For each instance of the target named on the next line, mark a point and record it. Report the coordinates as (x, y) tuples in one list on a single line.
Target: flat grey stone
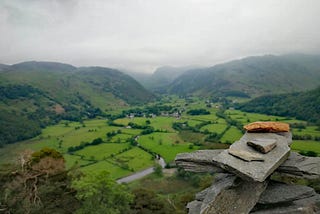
[(198, 161), (231, 194), (245, 155), (310, 205), (254, 170), (300, 166), (194, 207), (200, 196), (277, 192), (262, 145)]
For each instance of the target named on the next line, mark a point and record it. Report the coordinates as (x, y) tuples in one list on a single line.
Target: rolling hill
[(254, 76), (301, 105), (35, 94)]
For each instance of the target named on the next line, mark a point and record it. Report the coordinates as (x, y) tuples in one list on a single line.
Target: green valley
[(129, 144)]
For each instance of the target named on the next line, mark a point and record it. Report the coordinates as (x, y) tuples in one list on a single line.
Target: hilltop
[(35, 94), (251, 76)]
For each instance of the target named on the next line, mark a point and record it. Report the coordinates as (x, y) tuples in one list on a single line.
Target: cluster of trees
[(18, 124), (82, 145), (303, 105), (17, 91), (41, 184), (200, 111)]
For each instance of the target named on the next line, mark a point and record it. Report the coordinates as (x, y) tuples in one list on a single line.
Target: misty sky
[(141, 35)]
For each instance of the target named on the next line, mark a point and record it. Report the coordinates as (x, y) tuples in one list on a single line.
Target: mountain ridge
[(255, 76)]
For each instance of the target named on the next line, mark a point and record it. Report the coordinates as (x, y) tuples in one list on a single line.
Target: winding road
[(141, 174)]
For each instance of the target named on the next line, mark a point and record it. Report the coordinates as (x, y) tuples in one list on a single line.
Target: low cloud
[(142, 35)]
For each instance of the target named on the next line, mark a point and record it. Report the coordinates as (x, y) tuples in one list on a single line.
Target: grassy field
[(309, 130), (231, 135), (168, 145), (136, 159), (217, 128), (115, 171), (120, 158), (102, 151), (306, 145)]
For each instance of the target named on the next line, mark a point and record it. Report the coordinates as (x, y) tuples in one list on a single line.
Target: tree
[(101, 194), (40, 184), (158, 170), (146, 202)]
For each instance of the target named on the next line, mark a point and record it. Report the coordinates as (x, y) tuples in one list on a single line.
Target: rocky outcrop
[(230, 194), (198, 161), (300, 166), (244, 186)]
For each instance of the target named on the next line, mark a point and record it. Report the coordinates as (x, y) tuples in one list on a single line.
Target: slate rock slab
[(198, 161), (310, 205), (254, 170), (262, 145), (194, 207), (231, 194), (277, 192), (300, 166), (246, 155)]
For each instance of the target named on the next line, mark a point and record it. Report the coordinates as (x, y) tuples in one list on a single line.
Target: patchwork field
[(121, 155)]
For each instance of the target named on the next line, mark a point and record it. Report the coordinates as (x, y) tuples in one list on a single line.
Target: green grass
[(164, 144), (218, 128), (115, 171), (307, 145), (99, 152), (138, 120), (163, 123), (309, 130), (120, 137), (245, 117), (72, 160), (135, 158), (231, 135)]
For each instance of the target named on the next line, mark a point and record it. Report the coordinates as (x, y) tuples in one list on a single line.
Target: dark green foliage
[(198, 112), (158, 170), (101, 194), (304, 105), (309, 153), (147, 130), (14, 128), (147, 202), (94, 142), (46, 152), (43, 186), (17, 91)]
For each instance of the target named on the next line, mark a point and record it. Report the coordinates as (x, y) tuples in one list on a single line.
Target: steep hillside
[(35, 94), (164, 76), (302, 105), (161, 78), (254, 76)]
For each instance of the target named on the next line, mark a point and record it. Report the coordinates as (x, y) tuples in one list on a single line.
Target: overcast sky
[(141, 35)]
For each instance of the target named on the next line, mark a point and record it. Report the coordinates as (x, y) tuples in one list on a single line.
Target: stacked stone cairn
[(246, 174)]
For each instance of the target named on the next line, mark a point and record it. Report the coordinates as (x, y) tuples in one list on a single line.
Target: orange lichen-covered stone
[(267, 127)]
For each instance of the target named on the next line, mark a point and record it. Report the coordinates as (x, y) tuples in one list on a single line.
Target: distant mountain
[(3, 67), (301, 105), (253, 76), (35, 94), (161, 77)]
